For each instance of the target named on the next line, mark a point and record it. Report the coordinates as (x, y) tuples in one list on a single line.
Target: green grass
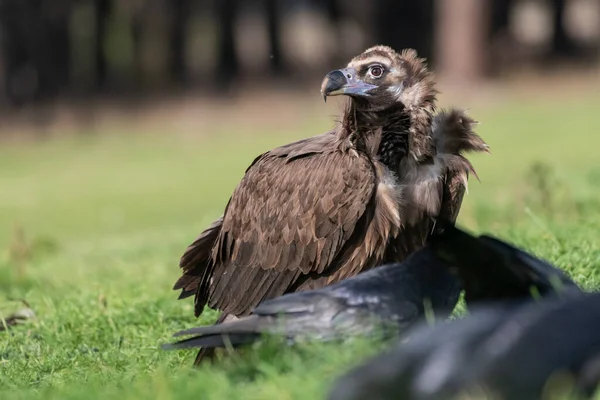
[(106, 218)]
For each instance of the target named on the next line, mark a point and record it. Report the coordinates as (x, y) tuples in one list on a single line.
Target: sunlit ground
[(92, 227)]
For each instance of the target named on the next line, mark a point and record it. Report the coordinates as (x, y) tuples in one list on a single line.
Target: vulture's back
[(298, 212)]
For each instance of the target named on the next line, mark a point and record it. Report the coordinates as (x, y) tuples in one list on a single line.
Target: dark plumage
[(493, 270), (391, 295), (537, 341), (511, 352), (508, 343), (316, 211)]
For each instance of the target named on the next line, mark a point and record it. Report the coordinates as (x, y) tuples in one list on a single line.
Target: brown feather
[(453, 136), (271, 189), (196, 261)]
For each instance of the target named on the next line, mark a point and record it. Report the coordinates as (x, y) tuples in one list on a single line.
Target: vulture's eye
[(376, 71)]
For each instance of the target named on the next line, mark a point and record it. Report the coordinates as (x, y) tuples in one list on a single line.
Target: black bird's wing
[(504, 333), (538, 341), (510, 349), (312, 315), (492, 269), (297, 317), (392, 294), (426, 362)]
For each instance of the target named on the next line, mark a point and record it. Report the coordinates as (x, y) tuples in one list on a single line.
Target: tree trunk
[(177, 40), (102, 14), (61, 51), (14, 54), (461, 39), (406, 24), (562, 45), (500, 16), (228, 64), (274, 31), (501, 53)]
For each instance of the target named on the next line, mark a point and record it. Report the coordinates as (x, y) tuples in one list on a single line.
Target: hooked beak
[(344, 81)]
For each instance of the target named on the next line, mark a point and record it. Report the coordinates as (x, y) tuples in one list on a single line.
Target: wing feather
[(196, 261), (290, 215)]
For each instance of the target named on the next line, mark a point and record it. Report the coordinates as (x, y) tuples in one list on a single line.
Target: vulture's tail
[(493, 269), (195, 263), (222, 334)]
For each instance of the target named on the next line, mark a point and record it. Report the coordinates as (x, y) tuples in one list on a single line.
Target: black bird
[(507, 352), (509, 343), (491, 269), (421, 367), (393, 296), (556, 336)]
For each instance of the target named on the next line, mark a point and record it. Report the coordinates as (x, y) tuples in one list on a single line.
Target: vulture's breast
[(388, 196), (421, 186)]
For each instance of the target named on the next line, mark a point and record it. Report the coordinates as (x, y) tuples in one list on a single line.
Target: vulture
[(510, 343), (384, 300), (322, 209)]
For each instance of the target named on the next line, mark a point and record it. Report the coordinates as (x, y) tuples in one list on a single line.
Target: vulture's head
[(380, 78)]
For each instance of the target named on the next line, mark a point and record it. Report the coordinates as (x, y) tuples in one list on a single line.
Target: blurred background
[(78, 60)]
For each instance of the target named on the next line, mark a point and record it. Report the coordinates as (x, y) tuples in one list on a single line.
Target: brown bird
[(316, 211)]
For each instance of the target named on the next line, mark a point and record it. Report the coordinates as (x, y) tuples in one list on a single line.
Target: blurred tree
[(102, 11), (562, 44), (17, 67), (138, 20), (500, 16), (35, 48), (180, 13), (227, 59), (461, 44), (501, 50), (58, 33), (406, 23), (36, 43), (335, 15), (274, 16)]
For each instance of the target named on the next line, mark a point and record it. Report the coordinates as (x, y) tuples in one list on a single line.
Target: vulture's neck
[(391, 134)]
